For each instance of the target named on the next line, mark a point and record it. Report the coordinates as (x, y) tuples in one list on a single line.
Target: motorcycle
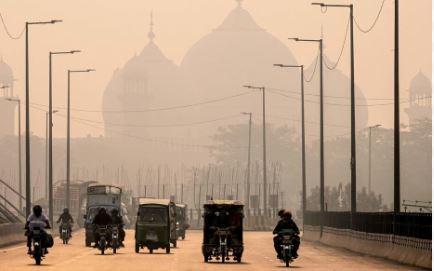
[(103, 242), (115, 243), (65, 233), (287, 247), (38, 245)]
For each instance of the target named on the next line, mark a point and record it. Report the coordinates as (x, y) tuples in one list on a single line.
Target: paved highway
[(259, 255)]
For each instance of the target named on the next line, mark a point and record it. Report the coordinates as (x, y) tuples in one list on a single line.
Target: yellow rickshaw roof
[(223, 202), (154, 201)]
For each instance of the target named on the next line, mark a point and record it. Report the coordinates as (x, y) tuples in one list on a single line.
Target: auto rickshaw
[(181, 220), (223, 230), (155, 224)]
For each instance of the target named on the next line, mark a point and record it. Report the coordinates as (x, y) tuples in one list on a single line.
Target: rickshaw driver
[(286, 223)]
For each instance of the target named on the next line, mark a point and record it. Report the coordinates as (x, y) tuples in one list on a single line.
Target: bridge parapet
[(403, 237)]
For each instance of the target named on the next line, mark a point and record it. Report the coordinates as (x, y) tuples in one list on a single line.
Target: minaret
[(151, 34)]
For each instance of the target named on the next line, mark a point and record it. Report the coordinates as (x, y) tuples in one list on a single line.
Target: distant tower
[(420, 95), (7, 108)]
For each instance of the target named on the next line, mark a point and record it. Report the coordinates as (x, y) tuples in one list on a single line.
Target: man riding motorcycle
[(101, 219), (116, 220), (66, 219), (36, 219), (286, 223)]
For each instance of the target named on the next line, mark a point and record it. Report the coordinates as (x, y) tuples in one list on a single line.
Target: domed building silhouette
[(420, 97), (7, 108), (149, 78)]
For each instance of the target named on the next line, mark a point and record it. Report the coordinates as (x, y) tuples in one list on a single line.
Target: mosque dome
[(6, 74), (239, 52), (146, 80)]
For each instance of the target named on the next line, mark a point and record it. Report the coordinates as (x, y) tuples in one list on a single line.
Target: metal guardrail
[(417, 225)]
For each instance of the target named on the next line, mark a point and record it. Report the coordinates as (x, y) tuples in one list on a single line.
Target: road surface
[(259, 256)]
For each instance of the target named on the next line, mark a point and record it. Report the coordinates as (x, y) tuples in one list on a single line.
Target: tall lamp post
[(248, 160), (50, 131), (370, 155), (28, 199), (264, 145), (46, 153), (353, 107), (321, 125), (68, 137), (303, 135), (20, 188)]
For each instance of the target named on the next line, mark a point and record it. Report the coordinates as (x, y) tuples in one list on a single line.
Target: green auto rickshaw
[(181, 220), (155, 224)]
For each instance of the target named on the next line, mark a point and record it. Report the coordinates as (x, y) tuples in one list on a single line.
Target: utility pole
[(397, 174), (303, 135), (68, 136), (18, 101), (321, 121), (248, 159), (50, 130), (264, 145), (28, 167)]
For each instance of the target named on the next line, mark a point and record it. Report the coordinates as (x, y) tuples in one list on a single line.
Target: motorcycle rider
[(66, 219), (116, 220), (286, 223), (36, 219), (101, 219)]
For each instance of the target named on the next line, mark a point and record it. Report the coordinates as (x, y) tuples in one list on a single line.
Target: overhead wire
[(342, 49), (314, 70), (8, 32), (154, 109), (367, 30)]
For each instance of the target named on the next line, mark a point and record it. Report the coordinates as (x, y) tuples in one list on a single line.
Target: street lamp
[(303, 136), (264, 145), (18, 101), (46, 153), (50, 131), (321, 121), (370, 154), (28, 199), (68, 135), (248, 161), (353, 107)]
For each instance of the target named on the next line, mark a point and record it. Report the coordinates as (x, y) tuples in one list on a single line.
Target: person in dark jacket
[(66, 219), (286, 223), (37, 219), (101, 219), (118, 222)]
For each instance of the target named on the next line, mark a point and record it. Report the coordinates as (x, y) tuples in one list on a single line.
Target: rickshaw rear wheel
[(205, 258), (151, 250), (137, 248), (168, 249)]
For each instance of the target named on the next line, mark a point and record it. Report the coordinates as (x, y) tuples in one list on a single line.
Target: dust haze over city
[(194, 100)]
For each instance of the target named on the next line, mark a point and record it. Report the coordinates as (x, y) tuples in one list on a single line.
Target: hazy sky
[(110, 32)]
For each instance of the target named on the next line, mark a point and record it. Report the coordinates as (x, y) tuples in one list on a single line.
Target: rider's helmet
[(37, 210), (281, 212), (66, 211), (287, 215)]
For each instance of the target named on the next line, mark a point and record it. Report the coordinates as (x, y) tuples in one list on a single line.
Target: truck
[(99, 196)]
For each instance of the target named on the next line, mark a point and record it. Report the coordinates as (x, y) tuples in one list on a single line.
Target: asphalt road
[(259, 255)]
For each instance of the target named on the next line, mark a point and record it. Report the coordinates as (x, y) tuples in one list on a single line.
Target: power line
[(342, 49), (154, 109), (160, 126), (308, 122), (373, 24), (327, 96), (9, 33), (337, 104), (314, 70)]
